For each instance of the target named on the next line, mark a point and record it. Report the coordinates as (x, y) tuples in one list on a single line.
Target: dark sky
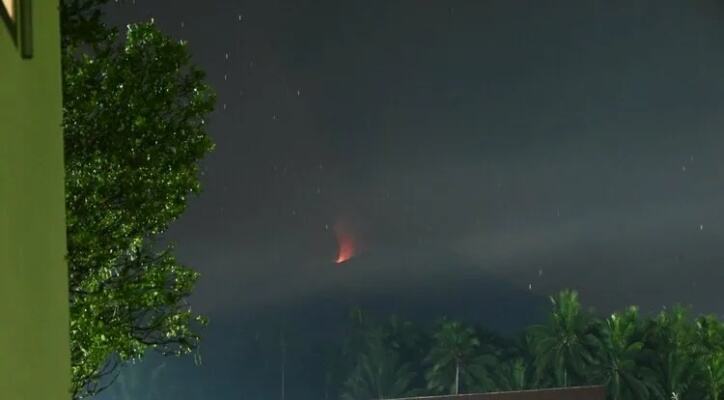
[(480, 154)]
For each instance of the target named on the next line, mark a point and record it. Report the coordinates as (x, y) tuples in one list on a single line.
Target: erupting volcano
[(346, 247)]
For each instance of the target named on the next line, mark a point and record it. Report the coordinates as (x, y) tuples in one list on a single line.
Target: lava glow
[(346, 248)]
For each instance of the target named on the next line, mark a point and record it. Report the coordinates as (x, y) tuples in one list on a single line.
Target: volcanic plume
[(346, 248)]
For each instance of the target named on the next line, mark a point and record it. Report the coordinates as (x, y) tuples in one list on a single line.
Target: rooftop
[(572, 393)]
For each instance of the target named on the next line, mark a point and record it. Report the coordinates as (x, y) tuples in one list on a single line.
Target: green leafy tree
[(660, 358), (709, 334), (563, 348), (404, 337), (82, 24), (670, 339), (455, 360), (710, 371), (134, 123), (620, 358), (379, 372), (513, 374), (410, 342), (709, 358)]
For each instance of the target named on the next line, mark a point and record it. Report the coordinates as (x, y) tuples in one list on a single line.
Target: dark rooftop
[(572, 393)]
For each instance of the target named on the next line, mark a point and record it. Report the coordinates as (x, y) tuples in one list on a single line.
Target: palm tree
[(619, 361), (513, 374), (670, 340), (710, 374), (378, 373), (455, 361), (709, 350), (404, 337), (562, 348)]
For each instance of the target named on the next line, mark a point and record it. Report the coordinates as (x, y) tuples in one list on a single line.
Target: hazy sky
[(481, 155)]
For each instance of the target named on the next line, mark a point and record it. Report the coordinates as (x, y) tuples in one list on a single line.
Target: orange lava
[(346, 248)]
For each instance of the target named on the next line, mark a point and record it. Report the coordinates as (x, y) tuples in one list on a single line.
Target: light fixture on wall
[(10, 8), (17, 15)]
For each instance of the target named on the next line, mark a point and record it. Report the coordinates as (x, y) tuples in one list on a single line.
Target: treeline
[(667, 356)]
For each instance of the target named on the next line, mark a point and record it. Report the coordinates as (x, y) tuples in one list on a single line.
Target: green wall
[(34, 338)]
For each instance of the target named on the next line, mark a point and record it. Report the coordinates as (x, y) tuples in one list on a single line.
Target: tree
[(619, 363), (563, 347), (660, 358), (134, 123), (670, 339), (710, 370), (513, 374), (455, 360), (709, 356), (378, 372)]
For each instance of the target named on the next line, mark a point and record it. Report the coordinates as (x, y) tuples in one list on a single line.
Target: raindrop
[(701, 227), (683, 168), (299, 92)]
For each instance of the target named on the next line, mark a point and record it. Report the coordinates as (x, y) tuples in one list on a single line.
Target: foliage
[(455, 360), (709, 356), (82, 24), (563, 347), (134, 110), (710, 370), (670, 337), (656, 358), (513, 374), (620, 358), (378, 372)]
